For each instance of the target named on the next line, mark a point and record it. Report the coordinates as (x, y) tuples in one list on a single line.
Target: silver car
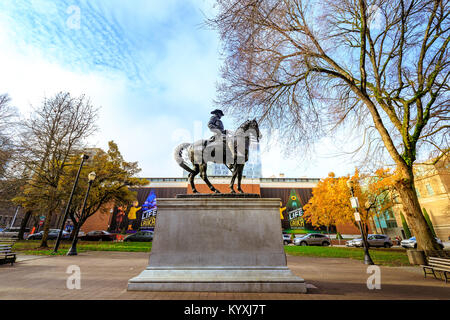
[(412, 243), (312, 239), (374, 240), (10, 233)]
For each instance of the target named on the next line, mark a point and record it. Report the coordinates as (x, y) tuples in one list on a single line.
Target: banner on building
[(295, 211), (149, 211), (296, 219)]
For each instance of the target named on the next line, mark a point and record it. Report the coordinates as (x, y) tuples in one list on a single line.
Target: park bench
[(435, 264), (6, 254)]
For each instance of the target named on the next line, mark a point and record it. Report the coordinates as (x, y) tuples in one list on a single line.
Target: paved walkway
[(104, 275)]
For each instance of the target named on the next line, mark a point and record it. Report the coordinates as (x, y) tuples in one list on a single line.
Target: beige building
[(432, 185)]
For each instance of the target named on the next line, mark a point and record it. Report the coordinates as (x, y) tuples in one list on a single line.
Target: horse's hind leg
[(204, 176), (192, 176)]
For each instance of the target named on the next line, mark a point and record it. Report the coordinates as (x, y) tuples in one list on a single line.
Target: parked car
[(286, 238), (12, 232), (81, 234), (52, 235), (140, 236), (312, 239), (374, 240), (98, 235), (412, 243)]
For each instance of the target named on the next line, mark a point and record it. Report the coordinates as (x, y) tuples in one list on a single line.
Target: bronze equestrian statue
[(231, 149)]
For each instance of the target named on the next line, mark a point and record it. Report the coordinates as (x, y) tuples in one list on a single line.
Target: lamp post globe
[(350, 184), (92, 176)]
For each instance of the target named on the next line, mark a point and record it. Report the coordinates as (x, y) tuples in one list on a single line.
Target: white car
[(13, 232), (350, 243), (412, 243)]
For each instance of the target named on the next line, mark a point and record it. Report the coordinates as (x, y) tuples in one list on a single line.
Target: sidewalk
[(104, 275)]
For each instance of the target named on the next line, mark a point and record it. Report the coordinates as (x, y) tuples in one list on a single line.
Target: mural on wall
[(119, 220), (149, 210), (294, 210), (133, 217), (140, 216)]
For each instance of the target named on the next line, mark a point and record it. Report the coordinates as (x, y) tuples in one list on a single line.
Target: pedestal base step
[(220, 279)]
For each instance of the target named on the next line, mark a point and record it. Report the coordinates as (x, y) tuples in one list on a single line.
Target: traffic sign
[(357, 216), (355, 203)]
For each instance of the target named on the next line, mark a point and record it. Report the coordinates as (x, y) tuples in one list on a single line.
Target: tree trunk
[(74, 230), (47, 223), (24, 223), (413, 212), (328, 232)]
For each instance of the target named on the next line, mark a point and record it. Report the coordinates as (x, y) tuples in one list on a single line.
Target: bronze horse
[(231, 150)]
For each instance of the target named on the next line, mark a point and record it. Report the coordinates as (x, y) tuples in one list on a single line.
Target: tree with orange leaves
[(329, 204), (380, 191)]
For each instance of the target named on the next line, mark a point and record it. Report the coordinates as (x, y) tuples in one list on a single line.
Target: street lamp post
[(355, 205), (84, 157), (73, 248)]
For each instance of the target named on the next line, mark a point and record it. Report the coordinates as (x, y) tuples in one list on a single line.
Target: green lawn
[(380, 256), (30, 247), (389, 257)]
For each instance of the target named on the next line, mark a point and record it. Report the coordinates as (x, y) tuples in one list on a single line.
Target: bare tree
[(53, 133), (312, 68), (8, 116), (9, 183)]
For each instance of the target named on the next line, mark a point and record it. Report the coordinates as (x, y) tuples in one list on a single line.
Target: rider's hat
[(218, 112)]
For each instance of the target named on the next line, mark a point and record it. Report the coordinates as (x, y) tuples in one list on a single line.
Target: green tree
[(114, 177), (430, 224), (405, 226)]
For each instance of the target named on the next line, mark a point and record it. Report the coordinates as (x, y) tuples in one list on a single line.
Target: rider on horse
[(216, 125)]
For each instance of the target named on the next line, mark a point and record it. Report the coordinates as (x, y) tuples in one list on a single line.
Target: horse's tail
[(179, 158)]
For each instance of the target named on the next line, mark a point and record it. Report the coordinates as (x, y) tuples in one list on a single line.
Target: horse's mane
[(242, 126)]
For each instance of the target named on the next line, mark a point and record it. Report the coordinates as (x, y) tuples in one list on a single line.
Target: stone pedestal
[(218, 245)]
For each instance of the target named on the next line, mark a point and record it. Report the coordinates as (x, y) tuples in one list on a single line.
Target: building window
[(391, 224), (418, 193), (429, 189)]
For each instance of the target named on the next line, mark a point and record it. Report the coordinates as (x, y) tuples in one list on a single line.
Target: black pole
[(58, 240), (367, 258), (73, 248)]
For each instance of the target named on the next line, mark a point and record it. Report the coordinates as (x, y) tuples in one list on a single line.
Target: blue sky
[(149, 64)]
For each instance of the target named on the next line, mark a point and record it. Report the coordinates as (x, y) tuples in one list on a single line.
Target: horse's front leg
[(233, 178), (240, 170)]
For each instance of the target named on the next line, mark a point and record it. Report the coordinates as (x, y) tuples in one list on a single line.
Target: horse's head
[(252, 127)]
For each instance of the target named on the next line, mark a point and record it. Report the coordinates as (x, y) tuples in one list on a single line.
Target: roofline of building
[(182, 179)]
